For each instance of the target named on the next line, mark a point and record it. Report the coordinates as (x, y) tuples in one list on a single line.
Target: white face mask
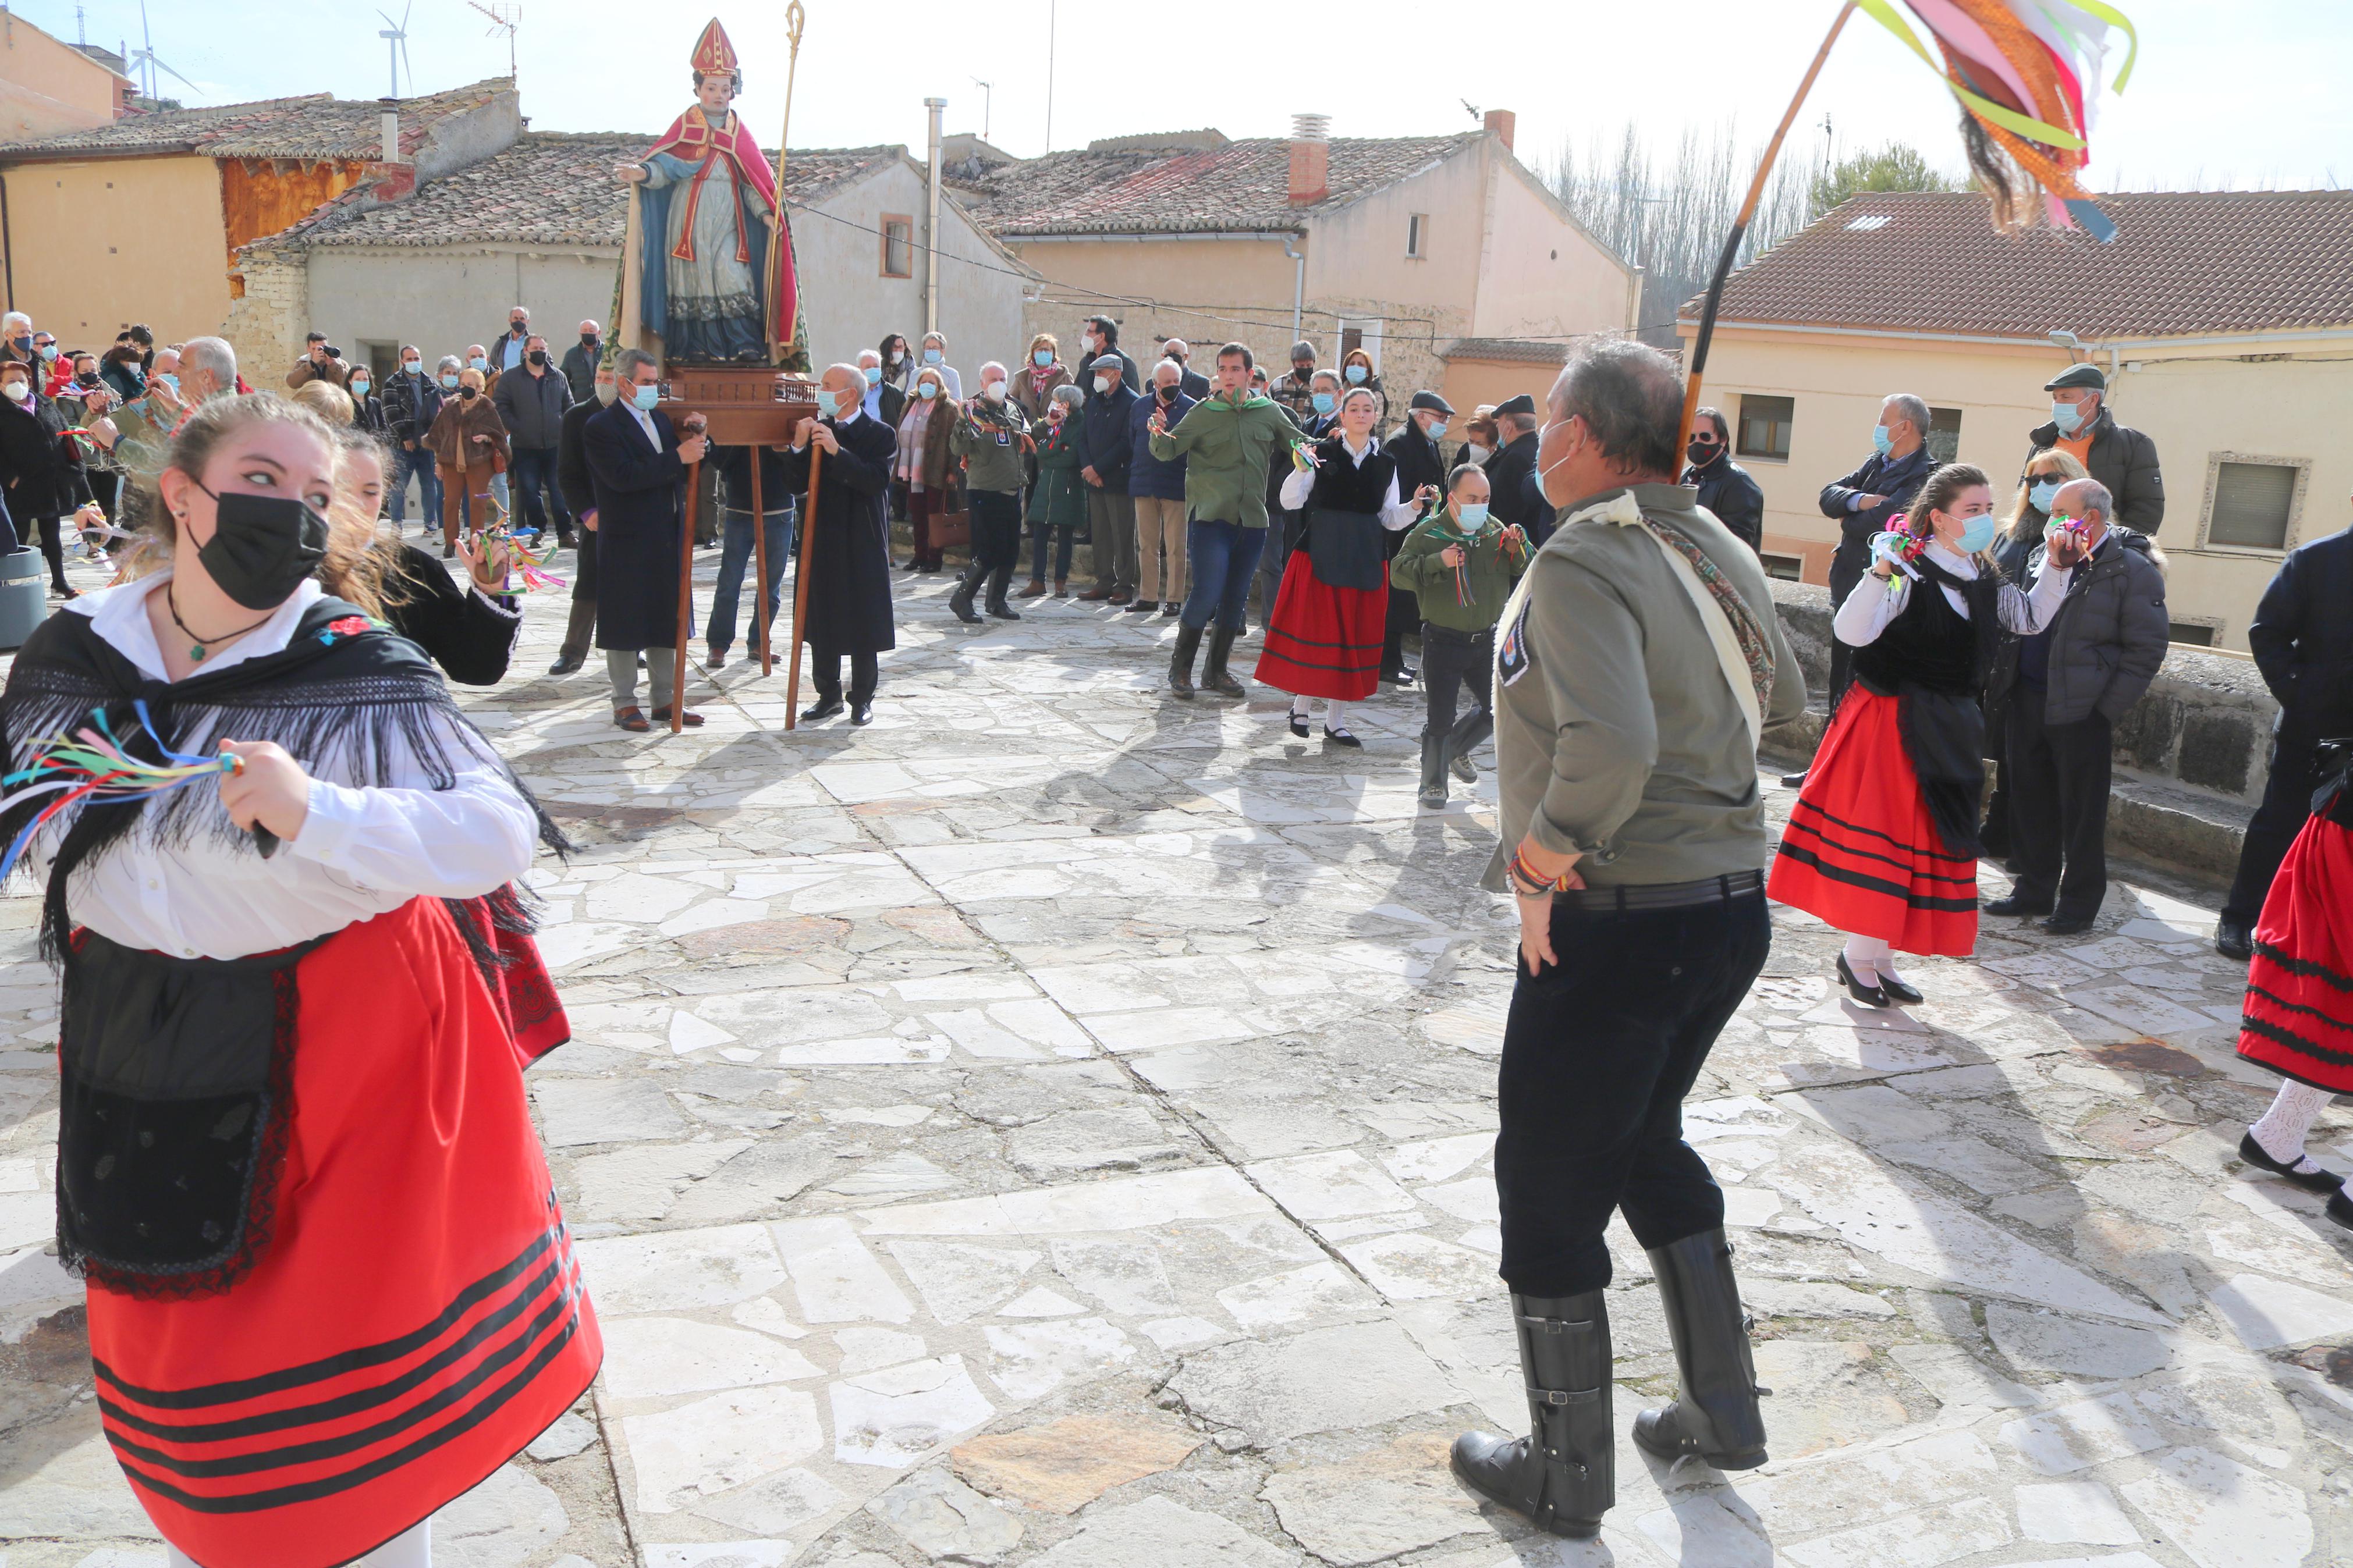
[(1102, 384), (607, 390), (1475, 452), (994, 391)]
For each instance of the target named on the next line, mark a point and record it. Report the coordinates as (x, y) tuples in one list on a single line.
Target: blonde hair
[(328, 401), (2070, 467), (358, 544)]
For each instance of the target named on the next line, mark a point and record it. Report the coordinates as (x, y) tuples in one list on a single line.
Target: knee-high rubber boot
[(1180, 663), (1714, 1415), (1214, 674), (960, 601), (1463, 739), (1564, 1475), (998, 582), (1433, 769)]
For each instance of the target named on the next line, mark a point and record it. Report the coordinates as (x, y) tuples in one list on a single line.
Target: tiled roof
[(1243, 186), (1515, 350), (317, 125), (547, 189), (2183, 264)]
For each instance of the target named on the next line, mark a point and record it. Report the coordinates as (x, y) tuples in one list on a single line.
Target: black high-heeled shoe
[(2315, 1180), (1898, 991), (1299, 725), (1869, 996)]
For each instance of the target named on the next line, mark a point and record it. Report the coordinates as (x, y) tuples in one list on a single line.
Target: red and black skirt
[(1861, 851), (377, 1305), (2299, 1017), (1322, 641)]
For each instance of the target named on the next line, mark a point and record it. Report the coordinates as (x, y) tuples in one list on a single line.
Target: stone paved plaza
[(1051, 1127)]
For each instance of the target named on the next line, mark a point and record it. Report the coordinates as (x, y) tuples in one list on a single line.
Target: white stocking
[(2282, 1129), (1869, 957), (1298, 706), (1333, 712)]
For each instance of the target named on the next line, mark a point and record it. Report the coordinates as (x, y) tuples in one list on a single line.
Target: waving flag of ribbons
[(2027, 74), (73, 768)]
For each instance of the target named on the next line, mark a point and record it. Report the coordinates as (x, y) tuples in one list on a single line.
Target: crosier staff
[(794, 19)]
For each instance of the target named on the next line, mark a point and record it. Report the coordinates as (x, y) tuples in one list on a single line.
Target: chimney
[(1311, 158), (390, 120), (391, 177), (1502, 123)]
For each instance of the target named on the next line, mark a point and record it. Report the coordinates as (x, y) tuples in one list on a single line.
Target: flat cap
[(2087, 376), (1433, 402), (1110, 361), (1522, 403)]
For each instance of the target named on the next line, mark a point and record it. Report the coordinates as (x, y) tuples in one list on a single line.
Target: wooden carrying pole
[(1740, 231), (685, 599), (794, 20), (800, 589), (760, 557)]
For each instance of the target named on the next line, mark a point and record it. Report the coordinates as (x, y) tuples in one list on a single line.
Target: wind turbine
[(143, 60), (395, 46)]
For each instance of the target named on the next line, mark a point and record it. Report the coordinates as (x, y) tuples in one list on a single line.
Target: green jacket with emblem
[(1491, 566)]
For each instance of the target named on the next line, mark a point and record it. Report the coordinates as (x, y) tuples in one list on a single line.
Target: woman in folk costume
[(1883, 843), (1323, 638), (716, 285), (330, 1287), (2298, 1019)]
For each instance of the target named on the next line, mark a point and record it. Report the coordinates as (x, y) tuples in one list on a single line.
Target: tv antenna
[(504, 15), (1472, 107), (987, 92), (145, 65), (396, 47)]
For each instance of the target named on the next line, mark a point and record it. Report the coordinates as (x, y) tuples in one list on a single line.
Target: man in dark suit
[(2302, 637), (1190, 383), (579, 488), (1515, 494), (637, 465), (849, 543), (1419, 461), (1726, 488)]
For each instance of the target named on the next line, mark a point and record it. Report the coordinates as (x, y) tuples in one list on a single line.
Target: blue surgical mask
[(1044, 358), (645, 396), (1354, 373), (449, 382), (837, 403), (2067, 416), (1978, 535), (478, 363), (2042, 493), (1881, 441), (1473, 515), (170, 380), (1436, 429), (932, 356), (49, 351), (873, 373), (1323, 401), (359, 386), (927, 389)]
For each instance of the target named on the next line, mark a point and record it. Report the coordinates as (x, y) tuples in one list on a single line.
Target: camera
[(330, 351)]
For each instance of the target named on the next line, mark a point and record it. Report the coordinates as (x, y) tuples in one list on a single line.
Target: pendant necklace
[(199, 647)]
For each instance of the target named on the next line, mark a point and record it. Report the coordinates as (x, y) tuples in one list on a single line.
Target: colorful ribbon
[(74, 768)]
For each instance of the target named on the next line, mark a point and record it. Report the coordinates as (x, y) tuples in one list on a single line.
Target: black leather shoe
[(2067, 925), (567, 665), (2315, 1181), (1341, 737), (2014, 905), (1143, 607), (823, 707), (2340, 1209), (2234, 941), (1299, 725), (1793, 781), (1869, 996), (1897, 992), (861, 713)]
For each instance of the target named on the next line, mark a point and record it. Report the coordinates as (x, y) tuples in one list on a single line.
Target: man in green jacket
[(1460, 565), (1227, 442), (992, 436)]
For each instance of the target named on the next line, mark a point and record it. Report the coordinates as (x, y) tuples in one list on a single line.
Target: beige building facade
[(47, 86)]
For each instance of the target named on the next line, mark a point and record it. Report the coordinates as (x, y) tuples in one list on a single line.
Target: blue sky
[(2245, 94)]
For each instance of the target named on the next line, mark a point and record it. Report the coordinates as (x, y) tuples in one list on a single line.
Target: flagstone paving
[(1051, 1126)]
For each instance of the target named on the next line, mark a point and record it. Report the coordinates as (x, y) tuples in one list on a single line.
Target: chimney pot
[(1502, 123), (389, 120), (1311, 158)]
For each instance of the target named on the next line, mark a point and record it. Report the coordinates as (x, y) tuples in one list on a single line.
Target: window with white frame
[(2252, 501)]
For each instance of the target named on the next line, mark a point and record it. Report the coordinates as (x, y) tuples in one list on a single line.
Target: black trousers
[(1843, 578), (2287, 806), (51, 526), (1450, 658), (2058, 806), (1599, 1052), (997, 531), (824, 674)]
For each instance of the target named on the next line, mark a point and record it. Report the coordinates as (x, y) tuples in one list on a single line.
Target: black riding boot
[(1433, 769), (1463, 739), (1180, 663), (1213, 674), (1564, 1475), (1714, 1415), (998, 581), (960, 601)]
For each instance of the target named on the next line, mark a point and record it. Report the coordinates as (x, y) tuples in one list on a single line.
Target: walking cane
[(800, 588), (685, 583)]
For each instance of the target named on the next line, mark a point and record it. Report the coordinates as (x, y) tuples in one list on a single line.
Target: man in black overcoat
[(1414, 449), (848, 548), (636, 464), (579, 488), (1515, 491)]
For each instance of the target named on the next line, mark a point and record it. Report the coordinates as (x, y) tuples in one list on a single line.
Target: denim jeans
[(735, 555), (1599, 1051), (1220, 557), (534, 469), (428, 484)]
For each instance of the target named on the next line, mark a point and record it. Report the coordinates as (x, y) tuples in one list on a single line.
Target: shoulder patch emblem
[(1512, 652)]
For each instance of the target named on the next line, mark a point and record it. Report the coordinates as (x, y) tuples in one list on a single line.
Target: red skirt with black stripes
[(1322, 641), (2298, 1018), (416, 1317), (1861, 851)]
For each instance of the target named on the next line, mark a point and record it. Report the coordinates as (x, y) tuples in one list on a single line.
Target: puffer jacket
[(2123, 459), (1059, 500), (2108, 638)]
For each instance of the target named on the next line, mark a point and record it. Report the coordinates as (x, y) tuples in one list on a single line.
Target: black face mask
[(466, 391), (537, 356), (1702, 453), (1167, 394), (588, 341), (262, 547)]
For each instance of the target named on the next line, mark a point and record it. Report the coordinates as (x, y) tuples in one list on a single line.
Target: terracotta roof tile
[(2184, 264), (1242, 186), (316, 125), (549, 188)]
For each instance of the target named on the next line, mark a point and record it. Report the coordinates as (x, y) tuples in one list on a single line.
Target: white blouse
[(361, 853), (1395, 513), (1874, 605)]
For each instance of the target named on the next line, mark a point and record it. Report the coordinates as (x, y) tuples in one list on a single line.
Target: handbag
[(1345, 550)]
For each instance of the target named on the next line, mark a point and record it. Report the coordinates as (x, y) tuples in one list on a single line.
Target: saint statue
[(716, 280)]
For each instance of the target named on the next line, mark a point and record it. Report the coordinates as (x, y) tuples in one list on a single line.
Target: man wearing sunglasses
[(1725, 488)]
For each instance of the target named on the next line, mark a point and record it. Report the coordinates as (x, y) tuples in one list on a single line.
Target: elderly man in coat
[(848, 546), (636, 464)]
